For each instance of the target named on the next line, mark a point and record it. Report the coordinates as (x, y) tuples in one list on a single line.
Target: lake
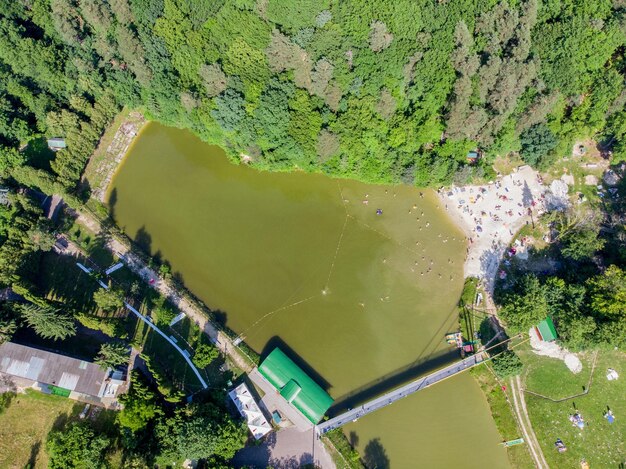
[(358, 281)]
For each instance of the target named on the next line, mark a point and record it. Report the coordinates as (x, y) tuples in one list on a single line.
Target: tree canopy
[(205, 354), (112, 354), (109, 299), (76, 447), (140, 406), (48, 321), (379, 91), (196, 433)]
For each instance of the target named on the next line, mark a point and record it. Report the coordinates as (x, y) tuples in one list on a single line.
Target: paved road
[(285, 449), (397, 394)]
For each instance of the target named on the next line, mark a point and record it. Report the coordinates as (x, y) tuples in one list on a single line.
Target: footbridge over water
[(399, 393)]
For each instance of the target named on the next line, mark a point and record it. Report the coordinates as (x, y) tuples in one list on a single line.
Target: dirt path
[(287, 451), (524, 420), (168, 290)]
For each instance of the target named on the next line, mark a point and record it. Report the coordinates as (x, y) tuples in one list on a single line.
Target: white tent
[(248, 408)]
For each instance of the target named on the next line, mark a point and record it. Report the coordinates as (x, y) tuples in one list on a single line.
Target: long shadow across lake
[(372, 389), (425, 363), (391, 381)]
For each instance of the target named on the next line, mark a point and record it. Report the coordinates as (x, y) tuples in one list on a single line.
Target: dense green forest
[(381, 91)]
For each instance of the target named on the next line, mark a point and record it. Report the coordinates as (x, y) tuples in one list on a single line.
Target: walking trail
[(288, 446), (524, 422), (168, 290)]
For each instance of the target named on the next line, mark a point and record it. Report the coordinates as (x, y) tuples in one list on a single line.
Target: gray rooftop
[(52, 368)]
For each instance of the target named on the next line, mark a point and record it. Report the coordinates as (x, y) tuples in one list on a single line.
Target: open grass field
[(503, 415), (25, 424), (600, 443), (24, 427)]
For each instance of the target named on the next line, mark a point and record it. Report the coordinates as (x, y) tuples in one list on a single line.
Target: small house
[(249, 409), (473, 156), (56, 144), (546, 331)]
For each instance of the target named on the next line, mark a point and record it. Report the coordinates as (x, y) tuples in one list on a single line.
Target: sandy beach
[(490, 216)]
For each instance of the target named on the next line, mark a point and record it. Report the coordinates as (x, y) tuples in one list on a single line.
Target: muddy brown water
[(358, 282)]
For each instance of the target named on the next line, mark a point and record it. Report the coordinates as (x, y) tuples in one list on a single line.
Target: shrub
[(537, 142), (507, 364)]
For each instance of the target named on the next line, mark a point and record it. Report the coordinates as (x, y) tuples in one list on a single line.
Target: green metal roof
[(295, 385), (56, 143), (547, 330), (290, 390)]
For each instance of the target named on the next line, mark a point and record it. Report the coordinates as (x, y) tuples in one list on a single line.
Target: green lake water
[(305, 262)]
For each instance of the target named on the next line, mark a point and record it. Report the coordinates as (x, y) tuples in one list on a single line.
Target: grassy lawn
[(469, 318), (503, 416), (190, 336), (591, 163), (25, 424), (175, 366), (506, 165), (24, 427), (600, 443)]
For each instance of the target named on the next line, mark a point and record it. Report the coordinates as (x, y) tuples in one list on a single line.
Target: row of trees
[(398, 92)]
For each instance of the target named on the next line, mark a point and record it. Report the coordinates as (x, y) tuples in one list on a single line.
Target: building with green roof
[(295, 386), (546, 330), (56, 144)]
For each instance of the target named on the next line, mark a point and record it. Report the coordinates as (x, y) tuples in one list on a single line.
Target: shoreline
[(484, 252), (104, 162), (490, 216)]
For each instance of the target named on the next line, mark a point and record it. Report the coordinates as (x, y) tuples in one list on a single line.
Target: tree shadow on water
[(111, 203), (375, 456), (220, 317), (143, 240)]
